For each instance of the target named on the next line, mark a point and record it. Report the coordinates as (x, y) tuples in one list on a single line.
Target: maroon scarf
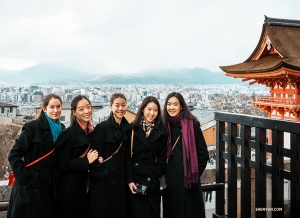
[(189, 152)]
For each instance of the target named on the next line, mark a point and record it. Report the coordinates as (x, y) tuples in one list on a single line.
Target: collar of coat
[(140, 134)]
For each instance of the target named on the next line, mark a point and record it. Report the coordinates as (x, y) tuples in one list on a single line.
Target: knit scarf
[(189, 152), (56, 128)]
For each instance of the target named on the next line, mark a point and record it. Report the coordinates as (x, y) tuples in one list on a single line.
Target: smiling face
[(150, 112), (53, 109), (83, 111), (173, 107), (118, 108)]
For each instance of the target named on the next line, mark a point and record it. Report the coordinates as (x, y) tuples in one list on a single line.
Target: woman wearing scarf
[(187, 156), (73, 161), (148, 160), (32, 194), (107, 196)]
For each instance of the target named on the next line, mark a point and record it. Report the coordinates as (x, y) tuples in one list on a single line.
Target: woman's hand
[(132, 187), (100, 159), (92, 155)]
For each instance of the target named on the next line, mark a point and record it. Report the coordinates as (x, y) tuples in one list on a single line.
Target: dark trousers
[(210, 195)]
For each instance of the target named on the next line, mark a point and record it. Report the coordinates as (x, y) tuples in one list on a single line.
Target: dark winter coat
[(73, 174), (32, 194), (147, 166), (179, 202), (107, 196)]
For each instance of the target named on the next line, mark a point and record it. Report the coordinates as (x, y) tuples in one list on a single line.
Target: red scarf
[(189, 151)]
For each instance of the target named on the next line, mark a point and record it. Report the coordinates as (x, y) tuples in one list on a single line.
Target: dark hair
[(158, 119), (74, 103), (46, 102), (186, 113), (115, 96)]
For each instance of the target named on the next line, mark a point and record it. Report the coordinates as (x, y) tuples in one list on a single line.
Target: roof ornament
[(281, 22)]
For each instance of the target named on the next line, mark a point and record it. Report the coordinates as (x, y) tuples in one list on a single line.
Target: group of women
[(120, 163)]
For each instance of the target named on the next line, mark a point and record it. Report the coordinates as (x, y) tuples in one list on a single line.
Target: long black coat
[(32, 194), (107, 196), (179, 202), (147, 166), (73, 174)]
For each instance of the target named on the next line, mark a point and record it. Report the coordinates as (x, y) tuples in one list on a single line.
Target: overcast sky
[(128, 36)]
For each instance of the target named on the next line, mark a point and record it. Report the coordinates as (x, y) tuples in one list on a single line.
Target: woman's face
[(150, 112), (53, 109), (118, 109), (83, 111), (173, 107)]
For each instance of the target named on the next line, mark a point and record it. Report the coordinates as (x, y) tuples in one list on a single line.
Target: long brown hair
[(74, 104), (46, 102), (140, 114)]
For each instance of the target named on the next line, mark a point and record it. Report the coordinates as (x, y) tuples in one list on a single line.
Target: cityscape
[(200, 98)]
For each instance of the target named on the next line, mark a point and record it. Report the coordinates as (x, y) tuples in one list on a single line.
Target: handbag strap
[(85, 152), (116, 151), (132, 142), (39, 159), (176, 142)]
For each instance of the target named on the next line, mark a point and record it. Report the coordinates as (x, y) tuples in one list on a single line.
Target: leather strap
[(86, 151), (116, 151)]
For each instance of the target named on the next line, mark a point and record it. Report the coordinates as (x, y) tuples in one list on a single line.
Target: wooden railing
[(235, 143)]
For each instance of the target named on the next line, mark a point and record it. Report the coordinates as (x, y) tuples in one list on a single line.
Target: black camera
[(140, 189)]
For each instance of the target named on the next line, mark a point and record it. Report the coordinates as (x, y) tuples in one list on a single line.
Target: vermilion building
[(275, 63)]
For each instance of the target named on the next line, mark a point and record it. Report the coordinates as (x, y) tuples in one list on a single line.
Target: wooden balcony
[(278, 102), (262, 182)]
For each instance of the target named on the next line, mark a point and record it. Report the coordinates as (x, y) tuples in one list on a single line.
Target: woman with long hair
[(187, 156), (74, 158), (33, 192), (107, 196), (148, 160)]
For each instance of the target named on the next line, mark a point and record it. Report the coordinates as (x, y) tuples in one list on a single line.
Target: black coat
[(73, 174), (32, 194), (178, 201), (147, 166), (107, 197)]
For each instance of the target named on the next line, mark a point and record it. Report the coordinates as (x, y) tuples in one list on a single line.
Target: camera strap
[(116, 151)]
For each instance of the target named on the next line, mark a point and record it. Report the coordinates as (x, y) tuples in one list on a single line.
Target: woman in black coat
[(107, 196), (148, 161), (32, 194), (74, 158), (187, 156)]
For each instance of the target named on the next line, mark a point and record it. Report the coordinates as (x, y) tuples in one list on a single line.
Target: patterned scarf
[(56, 128), (87, 130), (189, 152), (147, 127)]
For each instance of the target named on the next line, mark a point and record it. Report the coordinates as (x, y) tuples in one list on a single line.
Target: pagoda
[(275, 63)]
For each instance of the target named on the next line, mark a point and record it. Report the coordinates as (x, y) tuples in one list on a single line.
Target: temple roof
[(277, 49)]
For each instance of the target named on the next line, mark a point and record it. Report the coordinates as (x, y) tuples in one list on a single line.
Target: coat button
[(148, 179), (112, 168), (36, 190), (136, 164), (112, 182)]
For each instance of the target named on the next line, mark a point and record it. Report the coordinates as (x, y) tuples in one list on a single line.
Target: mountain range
[(60, 74)]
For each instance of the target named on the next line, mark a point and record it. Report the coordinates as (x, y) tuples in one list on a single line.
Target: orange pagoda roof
[(276, 55)]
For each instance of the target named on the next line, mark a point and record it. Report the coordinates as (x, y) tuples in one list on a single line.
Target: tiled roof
[(4, 104), (284, 36)]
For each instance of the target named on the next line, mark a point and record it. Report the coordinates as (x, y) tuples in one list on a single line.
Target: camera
[(140, 189)]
